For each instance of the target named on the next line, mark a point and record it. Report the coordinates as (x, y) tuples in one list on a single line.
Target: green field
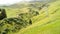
[(46, 22), (47, 25)]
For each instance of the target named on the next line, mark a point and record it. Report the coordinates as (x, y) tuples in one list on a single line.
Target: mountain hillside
[(33, 17), (45, 24)]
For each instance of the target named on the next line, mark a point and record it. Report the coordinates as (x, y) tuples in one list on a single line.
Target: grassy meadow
[(31, 19)]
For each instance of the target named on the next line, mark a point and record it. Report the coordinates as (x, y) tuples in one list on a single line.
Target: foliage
[(12, 25)]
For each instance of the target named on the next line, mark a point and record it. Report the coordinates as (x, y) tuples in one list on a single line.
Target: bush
[(2, 14), (33, 12), (12, 24)]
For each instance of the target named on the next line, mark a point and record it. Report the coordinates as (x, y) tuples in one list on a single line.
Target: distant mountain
[(27, 3)]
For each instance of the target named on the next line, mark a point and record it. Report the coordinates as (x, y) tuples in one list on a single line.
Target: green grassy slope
[(48, 25), (13, 12)]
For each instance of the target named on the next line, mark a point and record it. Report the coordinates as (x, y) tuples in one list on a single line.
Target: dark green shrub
[(30, 21), (15, 24), (2, 14)]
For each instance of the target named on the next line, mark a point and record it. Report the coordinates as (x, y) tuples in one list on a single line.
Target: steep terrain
[(45, 24), (32, 18)]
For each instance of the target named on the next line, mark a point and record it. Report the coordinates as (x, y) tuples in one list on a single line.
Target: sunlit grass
[(48, 25)]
